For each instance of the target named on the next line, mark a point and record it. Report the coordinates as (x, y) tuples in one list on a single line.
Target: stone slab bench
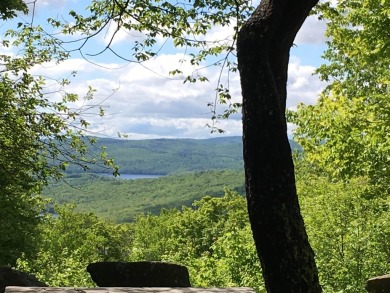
[(18, 289)]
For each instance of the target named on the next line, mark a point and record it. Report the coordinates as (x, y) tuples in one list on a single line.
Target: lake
[(127, 176)]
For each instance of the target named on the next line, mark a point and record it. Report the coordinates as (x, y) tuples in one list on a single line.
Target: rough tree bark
[(263, 48)]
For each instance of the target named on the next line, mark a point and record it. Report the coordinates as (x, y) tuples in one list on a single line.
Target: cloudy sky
[(143, 101)]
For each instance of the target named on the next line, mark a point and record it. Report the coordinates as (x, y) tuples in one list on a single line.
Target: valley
[(189, 170)]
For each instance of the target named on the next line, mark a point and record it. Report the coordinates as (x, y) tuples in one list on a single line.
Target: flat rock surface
[(379, 284), (139, 274), (14, 289)]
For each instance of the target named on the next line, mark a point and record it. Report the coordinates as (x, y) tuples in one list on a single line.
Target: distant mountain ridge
[(196, 168), (171, 156)]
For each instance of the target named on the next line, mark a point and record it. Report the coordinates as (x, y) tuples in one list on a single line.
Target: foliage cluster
[(346, 133), (41, 130), (69, 242), (8, 8), (19, 218), (349, 233), (212, 239), (348, 230), (345, 139)]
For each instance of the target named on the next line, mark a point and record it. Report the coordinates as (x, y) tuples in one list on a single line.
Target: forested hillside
[(213, 165), (121, 200), (166, 156)]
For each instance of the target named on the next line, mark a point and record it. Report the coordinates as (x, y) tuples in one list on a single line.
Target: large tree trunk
[(263, 48)]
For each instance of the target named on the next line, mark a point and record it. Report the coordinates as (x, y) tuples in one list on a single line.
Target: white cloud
[(303, 86), (313, 29), (64, 68), (221, 33), (39, 8), (114, 36), (8, 51), (139, 128), (146, 104), (149, 103), (53, 4), (311, 32)]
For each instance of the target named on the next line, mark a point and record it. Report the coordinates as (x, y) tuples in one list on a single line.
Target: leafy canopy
[(41, 130), (212, 238), (347, 131), (70, 241), (348, 231), (8, 8)]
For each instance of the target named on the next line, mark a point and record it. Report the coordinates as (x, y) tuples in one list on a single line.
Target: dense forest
[(199, 219), (58, 214), (348, 231), (121, 200)]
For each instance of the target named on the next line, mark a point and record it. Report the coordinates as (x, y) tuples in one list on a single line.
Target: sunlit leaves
[(70, 241), (213, 239), (48, 121), (19, 218), (346, 132), (42, 132), (348, 230)]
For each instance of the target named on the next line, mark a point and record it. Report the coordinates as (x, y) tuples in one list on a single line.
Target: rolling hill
[(120, 200), (192, 168), (172, 156)]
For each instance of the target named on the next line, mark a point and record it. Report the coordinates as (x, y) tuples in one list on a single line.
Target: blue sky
[(147, 103)]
